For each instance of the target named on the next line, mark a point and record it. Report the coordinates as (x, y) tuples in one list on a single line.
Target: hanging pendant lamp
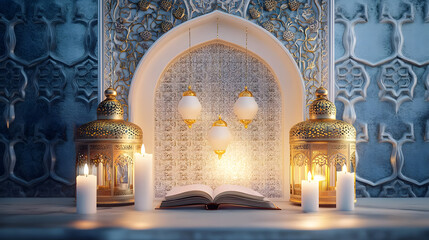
[(219, 137), (246, 107), (189, 106)]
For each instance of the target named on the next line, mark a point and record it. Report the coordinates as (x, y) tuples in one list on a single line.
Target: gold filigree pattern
[(328, 129), (100, 158), (322, 107), (106, 129), (123, 160), (338, 160), (320, 160), (131, 28), (82, 159), (300, 160), (109, 108)]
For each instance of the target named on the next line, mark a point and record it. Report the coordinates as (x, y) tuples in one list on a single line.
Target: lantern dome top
[(189, 92), (322, 124), (220, 123), (245, 93), (110, 108), (110, 123), (322, 108)]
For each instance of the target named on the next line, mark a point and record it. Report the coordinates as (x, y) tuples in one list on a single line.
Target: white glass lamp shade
[(219, 137), (246, 107), (189, 107)]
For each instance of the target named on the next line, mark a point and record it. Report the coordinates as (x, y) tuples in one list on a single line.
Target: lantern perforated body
[(107, 145), (321, 145)]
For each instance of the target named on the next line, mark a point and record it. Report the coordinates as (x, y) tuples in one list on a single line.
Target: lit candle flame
[(309, 176), (143, 151), (85, 170), (344, 169)]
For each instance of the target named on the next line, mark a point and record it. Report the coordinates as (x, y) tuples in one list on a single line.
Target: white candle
[(345, 190), (309, 195), (143, 181), (86, 193)]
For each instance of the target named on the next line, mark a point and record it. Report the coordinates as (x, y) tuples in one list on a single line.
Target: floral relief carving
[(13, 82), (132, 27), (397, 82), (361, 191), (85, 81), (397, 188), (397, 157), (351, 84), (50, 81), (30, 141)]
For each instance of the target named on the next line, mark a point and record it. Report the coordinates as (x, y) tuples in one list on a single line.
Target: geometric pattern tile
[(47, 63), (379, 37), (183, 156)]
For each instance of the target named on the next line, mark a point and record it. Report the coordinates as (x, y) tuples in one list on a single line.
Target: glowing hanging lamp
[(246, 107), (189, 106), (219, 137)]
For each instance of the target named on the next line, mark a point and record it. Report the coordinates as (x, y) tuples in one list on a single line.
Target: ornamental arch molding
[(174, 43)]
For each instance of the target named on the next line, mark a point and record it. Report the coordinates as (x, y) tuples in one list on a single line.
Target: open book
[(199, 194)]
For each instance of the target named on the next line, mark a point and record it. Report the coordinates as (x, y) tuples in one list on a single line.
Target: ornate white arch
[(269, 49)]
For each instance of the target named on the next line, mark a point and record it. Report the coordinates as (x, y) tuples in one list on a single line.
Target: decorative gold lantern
[(189, 107), (219, 137), (321, 145), (245, 107), (108, 145)]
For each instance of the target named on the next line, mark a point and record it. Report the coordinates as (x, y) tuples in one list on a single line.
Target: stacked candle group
[(86, 186), (345, 192)]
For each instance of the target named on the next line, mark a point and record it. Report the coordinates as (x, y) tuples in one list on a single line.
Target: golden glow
[(85, 224), (319, 178), (143, 150), (232, 168), (85, 170), (344, 169)]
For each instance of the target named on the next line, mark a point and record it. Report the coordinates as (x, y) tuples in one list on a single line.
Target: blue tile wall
[(382, 59), (48, 87)]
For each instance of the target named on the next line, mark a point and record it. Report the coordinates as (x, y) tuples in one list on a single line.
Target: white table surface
[(53, 218)]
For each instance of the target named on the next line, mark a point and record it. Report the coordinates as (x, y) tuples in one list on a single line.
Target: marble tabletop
[(55, 218)]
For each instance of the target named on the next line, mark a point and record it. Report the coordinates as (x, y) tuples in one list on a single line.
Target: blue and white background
[(49, 84)]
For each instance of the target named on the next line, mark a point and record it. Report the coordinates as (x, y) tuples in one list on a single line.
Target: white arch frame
[(141, 98)]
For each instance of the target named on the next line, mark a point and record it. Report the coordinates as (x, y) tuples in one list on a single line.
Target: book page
[(237, 190), (188, 191)]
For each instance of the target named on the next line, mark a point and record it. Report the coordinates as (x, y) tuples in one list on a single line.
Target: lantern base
[(245, 122), (109, 201), (189, 122)]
